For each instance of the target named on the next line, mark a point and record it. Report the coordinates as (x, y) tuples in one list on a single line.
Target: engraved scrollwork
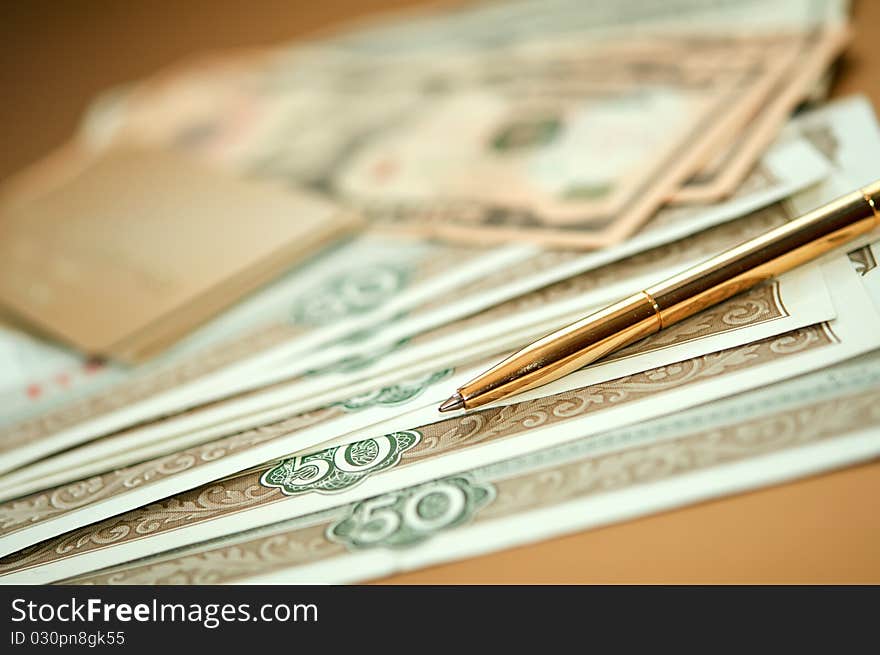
[(747, 312), (197, 505), (143, 386), (794, 341), (669, 255), (481, 426), (226, 563), (495, 423), (38, 507), (542, 488), (704, 448)]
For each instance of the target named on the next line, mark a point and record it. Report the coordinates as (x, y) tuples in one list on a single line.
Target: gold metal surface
[(565, 350), (656, 307), (679, 297), (872, 195), (763, 257)]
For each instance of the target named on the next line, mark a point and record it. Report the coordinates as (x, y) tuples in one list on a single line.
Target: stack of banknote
[(520, 164)]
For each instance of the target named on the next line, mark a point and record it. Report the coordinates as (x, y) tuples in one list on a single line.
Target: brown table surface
[(824, 529)]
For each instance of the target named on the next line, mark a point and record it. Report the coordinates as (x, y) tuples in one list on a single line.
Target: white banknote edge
[(838, 381), (812, 168), (803, 293), (795, 163), (829, 189), (235, 378), (857, 327), (586, 514)]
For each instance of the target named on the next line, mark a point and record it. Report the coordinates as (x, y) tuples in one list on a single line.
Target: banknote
[(812, 423), (324, 387), (727, 169), (813, 58), (363, 50), (845, 148), (795, 300), (840, 140), (565, 167), (363, 283), (545, 268), (536, 115), (562, 300), (792, 165), (440, 30), (816, 50), (441, 447)]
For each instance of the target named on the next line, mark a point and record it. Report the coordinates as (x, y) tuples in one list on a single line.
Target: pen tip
[(453, 402)]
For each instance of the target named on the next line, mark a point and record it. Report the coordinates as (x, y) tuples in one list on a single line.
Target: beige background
[(55, 56)]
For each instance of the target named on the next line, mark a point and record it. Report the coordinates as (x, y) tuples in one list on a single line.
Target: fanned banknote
[(575, 405), (809, 424), (521, 165), (554, 139)]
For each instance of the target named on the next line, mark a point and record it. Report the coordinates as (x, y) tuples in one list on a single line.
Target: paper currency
[(296, 438), (674, 225), (794, 301), (806, 425), (366, 283), (726, 170), (566, 408), (487, 25), (769, 310), (793, 162), (547, 129)]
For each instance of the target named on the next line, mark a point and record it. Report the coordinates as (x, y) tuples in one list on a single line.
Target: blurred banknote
[(520, 164)]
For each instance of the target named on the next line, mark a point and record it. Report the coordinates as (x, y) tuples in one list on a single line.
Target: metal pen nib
[(453, 402)]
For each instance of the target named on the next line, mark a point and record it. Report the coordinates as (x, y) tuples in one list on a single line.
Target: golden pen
[(676, 298)]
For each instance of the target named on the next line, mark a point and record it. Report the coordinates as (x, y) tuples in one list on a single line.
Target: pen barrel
[(678, 297), (567, 350), (767, 255)]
